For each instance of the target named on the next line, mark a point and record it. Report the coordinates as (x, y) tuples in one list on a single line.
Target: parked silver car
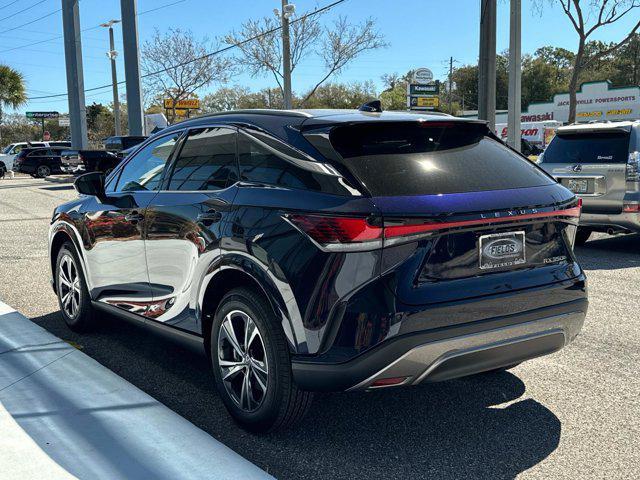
[(600, 163)]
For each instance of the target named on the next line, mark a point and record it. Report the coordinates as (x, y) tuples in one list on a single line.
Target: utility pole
[(129, 15), (112, 54), (515, 75), (287, 11), (487, 65), (75, 76), (450, 83)]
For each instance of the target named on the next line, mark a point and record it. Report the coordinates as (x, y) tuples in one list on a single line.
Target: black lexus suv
[(326, 250)]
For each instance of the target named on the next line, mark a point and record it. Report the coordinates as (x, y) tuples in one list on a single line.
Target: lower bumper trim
[(465, 355)]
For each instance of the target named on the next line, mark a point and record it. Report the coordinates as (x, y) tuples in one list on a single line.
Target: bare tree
[(261, 47), (177, 65), (603, 13), (344, 43), (263, 55)]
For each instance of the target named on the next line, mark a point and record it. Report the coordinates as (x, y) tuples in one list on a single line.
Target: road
[(574, 414)]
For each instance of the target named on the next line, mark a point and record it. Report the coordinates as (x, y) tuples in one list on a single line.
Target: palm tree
[(12, 90)]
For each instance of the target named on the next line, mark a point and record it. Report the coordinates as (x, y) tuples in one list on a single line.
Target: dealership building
[(596, 101)]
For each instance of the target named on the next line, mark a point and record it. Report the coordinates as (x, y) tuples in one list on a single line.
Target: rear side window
[(207, 161), (268, 161), (431, 158), (596, 147)]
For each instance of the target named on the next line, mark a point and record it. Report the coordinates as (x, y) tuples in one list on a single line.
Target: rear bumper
[(427, 356), (625, 221), (70, 168)]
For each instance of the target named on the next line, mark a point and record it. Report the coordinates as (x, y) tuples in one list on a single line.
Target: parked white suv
[(10, 151), (599, 162)]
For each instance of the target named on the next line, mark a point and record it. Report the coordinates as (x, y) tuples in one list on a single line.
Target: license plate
[(499, 250), (578, 185)]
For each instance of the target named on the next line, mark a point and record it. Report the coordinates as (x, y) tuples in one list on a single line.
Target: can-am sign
[(595, 101), (423, 75)]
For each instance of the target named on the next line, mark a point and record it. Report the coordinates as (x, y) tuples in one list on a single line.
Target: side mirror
[(91, 184)]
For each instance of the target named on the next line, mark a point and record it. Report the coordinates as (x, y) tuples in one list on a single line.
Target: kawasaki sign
[(419, 89)]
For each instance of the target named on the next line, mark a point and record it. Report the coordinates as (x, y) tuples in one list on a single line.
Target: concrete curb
[(65, 179), (63, 415)]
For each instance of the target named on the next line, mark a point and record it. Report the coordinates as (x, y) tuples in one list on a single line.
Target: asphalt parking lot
[(574, 414)]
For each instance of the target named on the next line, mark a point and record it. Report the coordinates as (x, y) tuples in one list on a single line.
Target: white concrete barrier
[(63, 415)]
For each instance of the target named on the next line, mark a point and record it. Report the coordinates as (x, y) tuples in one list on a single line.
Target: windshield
[(592, 147), (431, 158)]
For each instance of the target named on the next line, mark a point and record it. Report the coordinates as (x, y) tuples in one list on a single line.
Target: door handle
[(210, 216), (134, 217)]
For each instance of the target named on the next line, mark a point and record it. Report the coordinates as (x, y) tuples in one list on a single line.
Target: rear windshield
[(598, 147), (431, 158)]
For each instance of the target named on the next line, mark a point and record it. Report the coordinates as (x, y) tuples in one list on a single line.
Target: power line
[(208, 55), (33, 21), (23, 10), (8, 4), (85, 29)]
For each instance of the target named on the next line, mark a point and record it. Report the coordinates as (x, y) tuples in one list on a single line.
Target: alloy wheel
[(242, 360), (69, 286), (43, 171)]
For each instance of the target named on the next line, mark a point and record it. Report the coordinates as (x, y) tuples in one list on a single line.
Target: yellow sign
[(181, 112), (189, 104), (622, 111), (428, 102), (589, 114)]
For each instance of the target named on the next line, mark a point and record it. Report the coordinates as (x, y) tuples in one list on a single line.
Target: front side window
[(207, 160), (144, 170)]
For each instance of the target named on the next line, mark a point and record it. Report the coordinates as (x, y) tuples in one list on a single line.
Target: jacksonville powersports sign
[(596, 101)]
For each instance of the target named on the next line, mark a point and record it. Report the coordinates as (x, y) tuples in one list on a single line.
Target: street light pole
[(287, 11), (112, 54), (135, 117), (487, 63), (515, 76), (75, 76)]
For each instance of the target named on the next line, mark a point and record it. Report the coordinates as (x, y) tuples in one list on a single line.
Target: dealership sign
[(595, 101), (422, 92), (423, 75), (42, 115), (420, 89), (188, 104)]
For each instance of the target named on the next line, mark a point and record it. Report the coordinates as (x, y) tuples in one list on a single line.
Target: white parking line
[(63, 415)]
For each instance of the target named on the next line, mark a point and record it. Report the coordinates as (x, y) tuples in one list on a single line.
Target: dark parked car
[(326, 250), (39, 162), (89, 161), (117, 144)]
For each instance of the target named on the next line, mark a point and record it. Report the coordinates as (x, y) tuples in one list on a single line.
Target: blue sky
[(420, 33)]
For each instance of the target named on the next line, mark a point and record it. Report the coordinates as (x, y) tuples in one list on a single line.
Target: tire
[(282, 404), (43, 171), (582, 235), (77, 311)]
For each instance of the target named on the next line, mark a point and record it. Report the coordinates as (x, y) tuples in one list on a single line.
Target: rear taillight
[(633, 167), (357, 233), (339, 233), (631, 207)]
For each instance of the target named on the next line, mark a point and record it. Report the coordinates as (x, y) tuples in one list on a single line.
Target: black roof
[(270, 119)]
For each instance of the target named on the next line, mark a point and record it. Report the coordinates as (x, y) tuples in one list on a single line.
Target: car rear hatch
[(463, 216), (595, 164)]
